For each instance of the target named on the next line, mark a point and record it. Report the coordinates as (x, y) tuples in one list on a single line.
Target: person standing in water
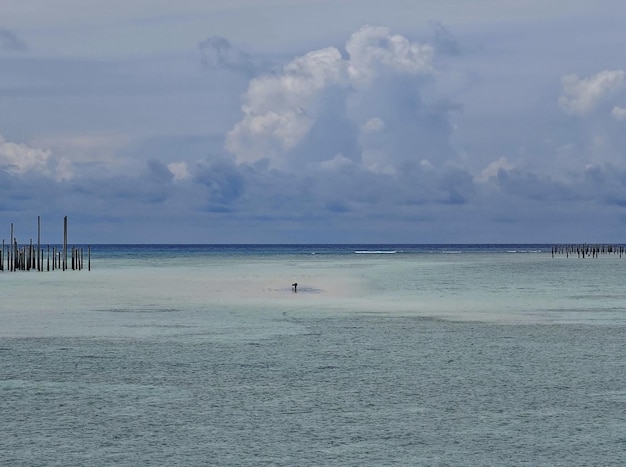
[(294, 286)]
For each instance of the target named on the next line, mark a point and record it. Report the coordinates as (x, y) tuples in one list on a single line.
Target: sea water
[(385, 355)]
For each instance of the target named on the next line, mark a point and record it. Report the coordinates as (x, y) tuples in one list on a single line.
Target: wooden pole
[(65, 243), (38, 243), (10, 258)]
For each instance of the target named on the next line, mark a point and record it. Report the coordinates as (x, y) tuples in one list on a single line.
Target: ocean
[(384, 355)]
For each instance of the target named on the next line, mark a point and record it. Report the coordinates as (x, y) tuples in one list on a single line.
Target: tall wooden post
[(39, 265), (10, 255), (65, 243)]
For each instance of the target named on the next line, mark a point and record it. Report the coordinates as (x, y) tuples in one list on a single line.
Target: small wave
[(375, 252)]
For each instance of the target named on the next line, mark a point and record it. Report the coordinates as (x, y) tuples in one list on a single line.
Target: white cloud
[(377, 162), (492, 169), (582, 95), (306, 104), (337, 163), (425, 164), (373, 47), (279, 109), (20, 159), (373, 125), (179, 170), (619, 113), (64, 170)]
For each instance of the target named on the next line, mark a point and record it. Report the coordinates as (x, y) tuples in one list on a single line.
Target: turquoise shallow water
[(433, 355)]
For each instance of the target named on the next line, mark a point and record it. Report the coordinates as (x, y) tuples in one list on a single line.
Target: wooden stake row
[(588, 251), (31, 257)]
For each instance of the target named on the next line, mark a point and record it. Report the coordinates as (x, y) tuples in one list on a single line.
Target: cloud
[(219, 53), (159, 172), (223, 181), (281, 109), (10, 42), (373, 124), (179, 170), (339, 162), (444, 41), (365, 105), (524, 187), (19, 159), (606, 184), (372, 49), (85, 147), (580, 96), (494, 168), (619, 113)]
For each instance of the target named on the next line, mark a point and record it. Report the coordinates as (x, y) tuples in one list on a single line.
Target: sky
[(313, 121)]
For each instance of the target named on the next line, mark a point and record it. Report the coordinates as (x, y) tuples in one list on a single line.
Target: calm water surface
[(432, 355)]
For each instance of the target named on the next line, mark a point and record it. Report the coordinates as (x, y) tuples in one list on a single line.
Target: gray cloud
[(607, 184), (222, 180), (444, 41), (159, 172), (528, 185), (10, 42), (219, 53)]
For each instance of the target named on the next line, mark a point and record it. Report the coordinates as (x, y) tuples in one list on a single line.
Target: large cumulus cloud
[(363, 105)]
